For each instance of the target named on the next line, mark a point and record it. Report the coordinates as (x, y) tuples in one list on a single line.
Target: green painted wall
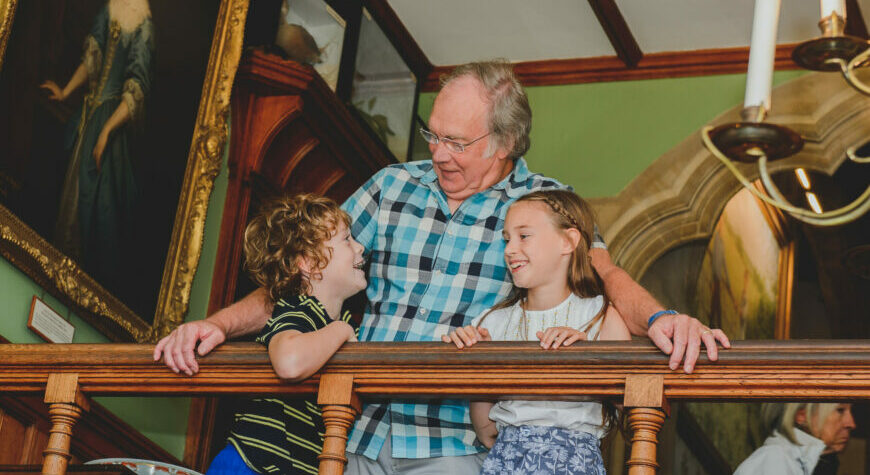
[(16, 293), (163, 420), (596, 137)]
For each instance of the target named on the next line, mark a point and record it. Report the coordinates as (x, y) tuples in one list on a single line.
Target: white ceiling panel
[(680, 25), (458, 31)]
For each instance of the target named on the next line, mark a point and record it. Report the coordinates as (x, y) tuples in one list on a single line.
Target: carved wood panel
[(290, 134), (24, 429)]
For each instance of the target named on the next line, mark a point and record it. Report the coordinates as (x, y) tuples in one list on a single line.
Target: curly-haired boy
[(300, 250)]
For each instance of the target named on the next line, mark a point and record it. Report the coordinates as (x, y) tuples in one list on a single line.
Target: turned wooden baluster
[(647, 409), (65, 405), (340, 406)]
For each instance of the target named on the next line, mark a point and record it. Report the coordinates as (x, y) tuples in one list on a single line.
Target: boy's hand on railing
[(177, 347), (467, 336), (679, 335), (554, 337)]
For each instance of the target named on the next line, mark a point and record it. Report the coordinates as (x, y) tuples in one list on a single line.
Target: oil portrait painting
[(99, 100)]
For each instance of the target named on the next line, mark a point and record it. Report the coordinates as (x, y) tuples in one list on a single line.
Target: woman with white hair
[(805, 439)]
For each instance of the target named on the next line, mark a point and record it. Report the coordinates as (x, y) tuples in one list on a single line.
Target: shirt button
[(422, 311), (437, 271)]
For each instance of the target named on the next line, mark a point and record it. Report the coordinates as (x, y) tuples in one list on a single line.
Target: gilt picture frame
[(37, 254)]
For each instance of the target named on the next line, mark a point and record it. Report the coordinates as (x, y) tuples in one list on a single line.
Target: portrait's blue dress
[(96, 218)]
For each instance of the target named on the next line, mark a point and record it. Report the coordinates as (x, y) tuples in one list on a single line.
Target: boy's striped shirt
[(274, 435)]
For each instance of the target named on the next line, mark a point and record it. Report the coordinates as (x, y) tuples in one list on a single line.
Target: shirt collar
[(808, 448), (512, 184), (423, 171), (310, 301), (300, 300)]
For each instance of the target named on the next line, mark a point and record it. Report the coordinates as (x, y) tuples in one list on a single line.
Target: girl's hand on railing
[(554, 337), (467, 336)]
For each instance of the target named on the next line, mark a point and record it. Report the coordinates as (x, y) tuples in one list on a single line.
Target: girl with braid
[(557, 299)]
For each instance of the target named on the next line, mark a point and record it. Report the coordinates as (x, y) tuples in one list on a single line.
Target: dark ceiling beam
[(651, 66), (855, 25), (398, 35), (617, 31)]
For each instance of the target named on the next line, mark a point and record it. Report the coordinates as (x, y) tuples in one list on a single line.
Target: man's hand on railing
[(681, 335), (177, 347)]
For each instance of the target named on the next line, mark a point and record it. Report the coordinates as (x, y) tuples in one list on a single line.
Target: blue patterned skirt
[(544, 450)]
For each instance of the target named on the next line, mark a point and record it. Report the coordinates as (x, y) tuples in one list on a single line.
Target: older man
[(434, 231)]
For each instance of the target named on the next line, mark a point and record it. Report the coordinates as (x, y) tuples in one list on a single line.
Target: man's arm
[(676, 335), (244, 317)]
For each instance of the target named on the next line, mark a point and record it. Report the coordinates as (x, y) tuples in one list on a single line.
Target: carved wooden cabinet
[(290, 134)]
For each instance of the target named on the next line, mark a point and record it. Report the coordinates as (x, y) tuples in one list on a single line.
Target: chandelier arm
[(848, 70), (774, 192), (851, 153), (836, 221), (860, 59), (831, 218), (848, 212), (711, 147)]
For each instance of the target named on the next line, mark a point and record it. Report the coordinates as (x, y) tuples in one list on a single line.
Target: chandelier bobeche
[(755, 141)]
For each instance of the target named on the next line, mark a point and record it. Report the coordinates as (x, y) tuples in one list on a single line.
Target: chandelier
[(754, 141)]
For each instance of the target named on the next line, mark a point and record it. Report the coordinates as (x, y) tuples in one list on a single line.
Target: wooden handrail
[(633, 373), (816, 369)]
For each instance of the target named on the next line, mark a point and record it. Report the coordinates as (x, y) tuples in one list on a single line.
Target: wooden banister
[(647, 408), (635, 373), (65, 405), (809, 369), (340, 406)]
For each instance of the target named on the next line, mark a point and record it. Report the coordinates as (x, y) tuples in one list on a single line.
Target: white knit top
[(507, 324)]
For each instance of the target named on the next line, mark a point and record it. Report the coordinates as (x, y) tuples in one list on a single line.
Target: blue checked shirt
[(432, 271)]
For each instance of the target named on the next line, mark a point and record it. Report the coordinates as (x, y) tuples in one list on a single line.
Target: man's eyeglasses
[(451, 145)]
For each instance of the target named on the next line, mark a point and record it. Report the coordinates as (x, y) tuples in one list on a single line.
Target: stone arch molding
[(679, 198)]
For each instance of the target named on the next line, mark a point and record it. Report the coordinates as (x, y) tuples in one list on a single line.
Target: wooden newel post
[(647, 409), (65, 405), (340, 406)]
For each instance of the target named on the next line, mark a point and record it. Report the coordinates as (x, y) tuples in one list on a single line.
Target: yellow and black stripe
[(284, 436)]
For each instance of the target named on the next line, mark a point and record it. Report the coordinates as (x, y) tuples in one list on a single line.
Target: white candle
[(832, 6), (762, 50)]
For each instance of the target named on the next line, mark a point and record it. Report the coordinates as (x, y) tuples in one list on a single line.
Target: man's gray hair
[(510, 117)]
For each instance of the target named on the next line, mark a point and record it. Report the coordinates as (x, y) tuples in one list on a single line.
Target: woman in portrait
[(805, 439), (96, 215)]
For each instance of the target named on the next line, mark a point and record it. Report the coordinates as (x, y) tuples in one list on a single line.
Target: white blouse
[(507, 324)]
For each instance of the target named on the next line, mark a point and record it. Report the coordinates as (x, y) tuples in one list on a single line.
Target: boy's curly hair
[(286, 230)]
